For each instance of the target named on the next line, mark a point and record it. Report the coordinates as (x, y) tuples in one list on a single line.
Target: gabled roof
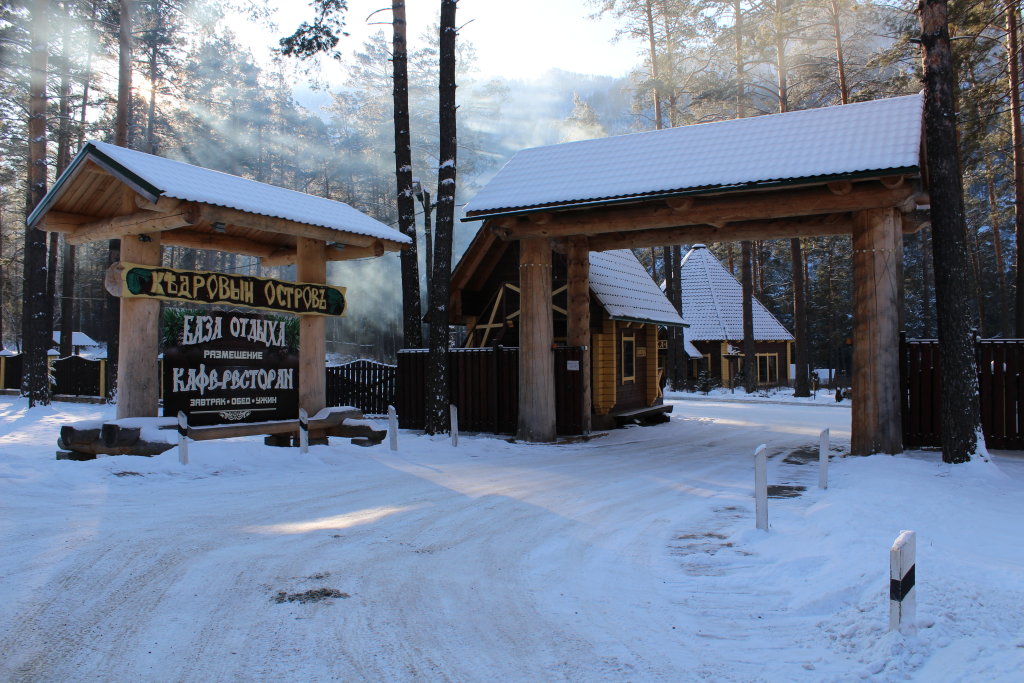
[(713, 302), (848, 141), (156, 177), (77, 339), (626, 291)]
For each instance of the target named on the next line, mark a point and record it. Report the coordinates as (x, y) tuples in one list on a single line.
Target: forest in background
[(201, 97)]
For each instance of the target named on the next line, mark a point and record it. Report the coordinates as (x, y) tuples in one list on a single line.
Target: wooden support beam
[(877, 250), (287, 257), (578, 316), (215, 214), (195, 239), (536, 362), (892, 181), (716, 210), (138, 378), (680, 203), (143, 222), (841, 187), (59, 221), (311, 267), (163, 204), (733, 232)]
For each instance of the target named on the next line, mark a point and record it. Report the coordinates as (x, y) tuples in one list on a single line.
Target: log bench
[(113, 438)]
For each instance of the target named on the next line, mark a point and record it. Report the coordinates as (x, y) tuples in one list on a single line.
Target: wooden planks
[(138, 377), (578, 316)]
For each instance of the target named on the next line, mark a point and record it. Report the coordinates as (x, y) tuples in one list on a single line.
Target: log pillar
[(578, 258), (138, 376), (877, 252), (311, 267), (536, 362)]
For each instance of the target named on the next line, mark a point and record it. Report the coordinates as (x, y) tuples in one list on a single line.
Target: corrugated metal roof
[(713, 302), (626, 291), (828, 142), (196, 184)]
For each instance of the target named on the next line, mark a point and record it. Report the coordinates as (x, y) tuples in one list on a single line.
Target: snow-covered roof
[(626, 291), (845, 140), (77, 339), (713, 302), (176, 179)]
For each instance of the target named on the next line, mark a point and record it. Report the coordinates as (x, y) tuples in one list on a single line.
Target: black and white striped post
[(393, 427), (761, 487), (303, 430), (454, 414), (902, 594), (182, 438), (823, 450)]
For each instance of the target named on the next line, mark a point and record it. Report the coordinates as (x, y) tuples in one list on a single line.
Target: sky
[(521, 39)]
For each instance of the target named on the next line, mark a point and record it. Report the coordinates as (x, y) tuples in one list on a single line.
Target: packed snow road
[(628, 557)]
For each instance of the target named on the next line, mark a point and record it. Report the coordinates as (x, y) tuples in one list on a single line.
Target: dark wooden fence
[(484, 384), (1000, 382), (77, 376), (363, 384)]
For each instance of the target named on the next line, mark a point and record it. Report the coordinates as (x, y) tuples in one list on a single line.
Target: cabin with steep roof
[(713, 310)]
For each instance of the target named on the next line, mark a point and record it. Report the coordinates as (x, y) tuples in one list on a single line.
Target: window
[(767, 368), (628, 357)]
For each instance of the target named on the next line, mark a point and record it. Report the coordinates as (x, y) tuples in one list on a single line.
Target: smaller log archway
[(109, 192), (852, 169)]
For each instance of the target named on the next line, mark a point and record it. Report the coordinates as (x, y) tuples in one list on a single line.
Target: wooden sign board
[(203, 287), (229, 368)]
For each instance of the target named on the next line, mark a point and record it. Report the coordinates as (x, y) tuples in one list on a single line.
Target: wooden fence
[(484, 384), (363, 384), (1000, 383)]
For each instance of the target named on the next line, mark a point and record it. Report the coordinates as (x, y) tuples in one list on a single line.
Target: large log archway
[(876, 211)]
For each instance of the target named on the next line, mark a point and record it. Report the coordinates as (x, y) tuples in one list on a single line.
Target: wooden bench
[(85, 443)]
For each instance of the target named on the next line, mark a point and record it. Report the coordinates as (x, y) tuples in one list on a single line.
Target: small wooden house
[(626, 310), (713, 310)]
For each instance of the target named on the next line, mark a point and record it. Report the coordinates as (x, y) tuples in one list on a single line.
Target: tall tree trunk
[(154, 76), (63, 159), (121, 124), (749, 345), (412, 316), (1017, 138), (437, 364), (37, 307), (960, 413), (997, 247), (837, 34), (801, 383), (652, 53)]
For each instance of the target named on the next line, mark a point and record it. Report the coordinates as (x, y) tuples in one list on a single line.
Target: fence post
[(454, 413), (761, 487), (902, 594), (823, 450), (303, 430), (393, 428), (182, 438)]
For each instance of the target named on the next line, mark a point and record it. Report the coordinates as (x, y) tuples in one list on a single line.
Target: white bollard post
[(303, 431), (454, 414), (823, 450), (761, 486), (902, 594), (182, 438), (393, 427)]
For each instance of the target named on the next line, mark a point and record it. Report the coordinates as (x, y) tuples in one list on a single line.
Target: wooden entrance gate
[(1000, 383)]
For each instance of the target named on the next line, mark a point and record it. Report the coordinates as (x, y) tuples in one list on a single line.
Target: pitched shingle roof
[(845, 140), (713, 302), (626, 291), (169, 178)]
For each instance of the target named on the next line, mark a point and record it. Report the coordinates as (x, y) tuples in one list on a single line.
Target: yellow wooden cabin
[(626, 307)]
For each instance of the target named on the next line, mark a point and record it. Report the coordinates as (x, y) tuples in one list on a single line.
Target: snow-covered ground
[(628, 557), (821, 397)]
